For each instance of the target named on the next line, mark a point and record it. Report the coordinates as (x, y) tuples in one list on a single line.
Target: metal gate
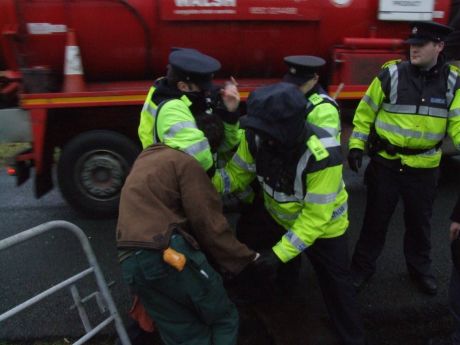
[(102, 296)]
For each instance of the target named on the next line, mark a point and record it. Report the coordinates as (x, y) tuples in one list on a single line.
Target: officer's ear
[(441, 46), (187, 87), (182, 86), (310, 84)]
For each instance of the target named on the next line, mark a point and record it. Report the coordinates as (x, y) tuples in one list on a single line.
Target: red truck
[(74, 73)]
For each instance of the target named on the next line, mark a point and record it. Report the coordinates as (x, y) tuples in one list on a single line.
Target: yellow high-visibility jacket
[(412, 109), (313, 204), (323, 111), (177, 128)]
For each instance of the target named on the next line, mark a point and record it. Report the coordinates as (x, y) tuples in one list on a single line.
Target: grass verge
[(8, 150)]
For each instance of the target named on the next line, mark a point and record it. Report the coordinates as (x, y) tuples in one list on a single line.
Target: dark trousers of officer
[(454, 301), (330, 260), (385, 184), (190, 307)]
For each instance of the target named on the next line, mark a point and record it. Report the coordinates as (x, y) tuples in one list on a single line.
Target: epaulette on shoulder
[(317, 148), (390, 63), (454, 68)]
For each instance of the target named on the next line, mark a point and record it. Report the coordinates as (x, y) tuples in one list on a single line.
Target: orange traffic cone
[(73, 69)]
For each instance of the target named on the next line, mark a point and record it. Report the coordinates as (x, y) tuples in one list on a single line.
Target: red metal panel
[(359, 67), (8, 29), (134, 38)]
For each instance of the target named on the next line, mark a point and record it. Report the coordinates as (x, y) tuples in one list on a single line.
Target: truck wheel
[(92, 169)]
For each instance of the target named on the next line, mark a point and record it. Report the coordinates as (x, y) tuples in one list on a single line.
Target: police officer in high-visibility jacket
[(322, 110), (177, 103), (299, 168), (402, 119)]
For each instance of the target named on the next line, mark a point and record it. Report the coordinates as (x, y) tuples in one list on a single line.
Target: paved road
[(393, 309), (40, 263)]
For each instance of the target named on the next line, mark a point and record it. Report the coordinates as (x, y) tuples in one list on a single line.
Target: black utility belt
[(379, 144)]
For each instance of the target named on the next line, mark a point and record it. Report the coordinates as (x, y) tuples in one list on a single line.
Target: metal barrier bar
[(81, 309), (44, 294), (94, 331), (94, 267)]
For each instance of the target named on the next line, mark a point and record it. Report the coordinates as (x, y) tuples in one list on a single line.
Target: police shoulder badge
[(391, 62)]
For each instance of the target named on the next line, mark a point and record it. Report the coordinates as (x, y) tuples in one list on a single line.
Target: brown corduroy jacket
[(168, 190)]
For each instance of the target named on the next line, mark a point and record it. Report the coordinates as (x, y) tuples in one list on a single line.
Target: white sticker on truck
[(406, 10), (45, 28), (341, 3), (205, 3), (72, 61)]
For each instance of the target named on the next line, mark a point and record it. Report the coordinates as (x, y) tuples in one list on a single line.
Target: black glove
[(227, 116), (266, 264), (355, 159), (455, 246)]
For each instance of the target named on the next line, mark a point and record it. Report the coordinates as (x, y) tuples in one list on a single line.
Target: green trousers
[(189, 307)]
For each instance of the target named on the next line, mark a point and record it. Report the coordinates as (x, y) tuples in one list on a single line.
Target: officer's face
[(425, 55), (267, 143), (188, 87), (306, 87)]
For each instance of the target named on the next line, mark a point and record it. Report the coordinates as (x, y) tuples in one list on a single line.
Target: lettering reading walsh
[(205, 3)]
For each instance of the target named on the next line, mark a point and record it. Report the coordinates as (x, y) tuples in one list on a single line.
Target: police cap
[(278, 111), (194, 66), (301, 68), (423, 32)]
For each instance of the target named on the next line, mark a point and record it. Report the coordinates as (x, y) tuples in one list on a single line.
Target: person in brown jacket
[(168, 202)]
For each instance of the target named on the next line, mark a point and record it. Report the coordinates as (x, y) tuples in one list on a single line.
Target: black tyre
[(92, 169)]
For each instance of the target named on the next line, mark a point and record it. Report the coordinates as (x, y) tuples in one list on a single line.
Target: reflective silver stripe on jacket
[(250, 167), (322, 199), (226, 180), (400, 108), (151, 109), (153, 112), (329, 142), (295, 241), (454, 112), (431, 152), (278, 196), (437, 112), (302, 165), (394, 77), (339, 211), (197, 148), (408, 132), (329, 98), (360, 136), (332, 130), (412, 110), (451, 87), (316, 198), (174, 129), (371, 103)]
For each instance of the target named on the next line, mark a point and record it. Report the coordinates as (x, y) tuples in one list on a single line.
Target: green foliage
[(8, 150)]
